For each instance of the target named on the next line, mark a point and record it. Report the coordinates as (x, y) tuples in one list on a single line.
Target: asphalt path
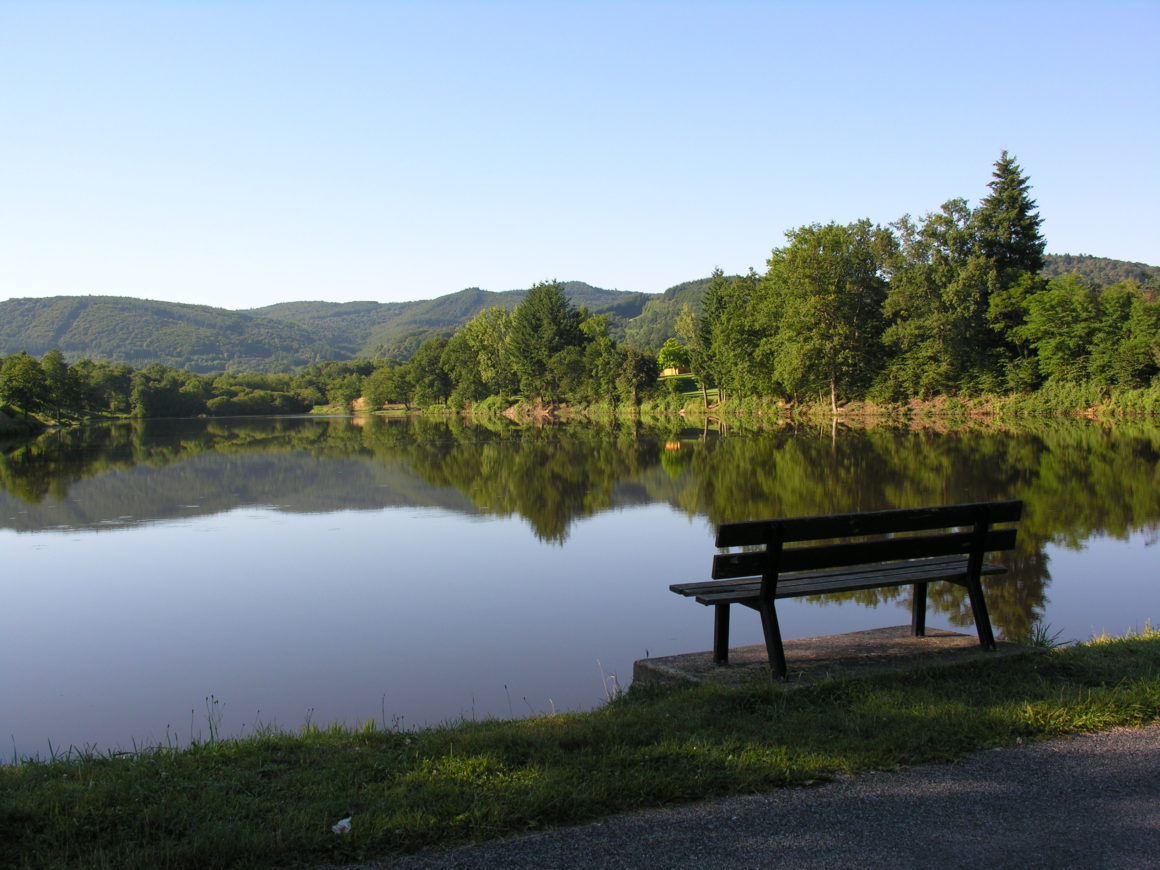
[(1091, 801)]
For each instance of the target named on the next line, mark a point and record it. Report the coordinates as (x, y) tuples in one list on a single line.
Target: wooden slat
[(748, 564), (831, 582), (868, 523), (905, 572), (949, 563)]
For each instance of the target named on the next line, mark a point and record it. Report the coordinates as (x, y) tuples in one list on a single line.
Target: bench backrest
[(878, 536)]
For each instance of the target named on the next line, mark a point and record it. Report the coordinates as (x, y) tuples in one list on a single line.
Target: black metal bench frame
[(869, 550)]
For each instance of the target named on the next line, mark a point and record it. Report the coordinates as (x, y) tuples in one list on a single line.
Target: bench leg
[(773, 645), (982, 619), (918, 609), (721, 634)]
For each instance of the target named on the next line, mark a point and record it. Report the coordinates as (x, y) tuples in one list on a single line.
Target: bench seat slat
[(919, 567), (814, 584)]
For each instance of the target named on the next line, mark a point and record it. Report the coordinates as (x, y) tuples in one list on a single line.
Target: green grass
[(270, 800)]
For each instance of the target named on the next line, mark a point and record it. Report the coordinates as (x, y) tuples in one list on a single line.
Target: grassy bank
[(270, 801), (1051, 400)]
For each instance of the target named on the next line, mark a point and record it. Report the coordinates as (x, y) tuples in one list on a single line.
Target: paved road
[(1087, 802)]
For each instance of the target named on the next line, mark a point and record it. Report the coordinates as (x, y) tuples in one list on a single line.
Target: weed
[(612, 689), (1040, 635)]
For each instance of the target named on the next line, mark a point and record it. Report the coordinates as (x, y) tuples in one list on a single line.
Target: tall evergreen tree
[(1007, 227), (701, 337), (542, 326), (1008, 223), (732, 324)]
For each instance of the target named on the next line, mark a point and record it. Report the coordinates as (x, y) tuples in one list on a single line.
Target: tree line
[(55, 389), (546, 351), (953, 303)]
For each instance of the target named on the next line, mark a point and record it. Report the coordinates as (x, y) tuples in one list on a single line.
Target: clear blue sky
[(243, 153)]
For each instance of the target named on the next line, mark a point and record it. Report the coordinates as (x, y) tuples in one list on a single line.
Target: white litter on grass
[(343, 826)]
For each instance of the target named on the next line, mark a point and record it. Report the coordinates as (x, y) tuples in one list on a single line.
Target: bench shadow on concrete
[(812, 659)]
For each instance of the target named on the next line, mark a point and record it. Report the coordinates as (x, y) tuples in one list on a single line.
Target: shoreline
[(270, 800)]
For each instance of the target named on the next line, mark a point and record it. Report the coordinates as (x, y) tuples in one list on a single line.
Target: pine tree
[(1008, 223), (1007, 227), (542, 326)]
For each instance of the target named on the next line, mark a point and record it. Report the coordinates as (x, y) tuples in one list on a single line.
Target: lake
[(168, 581)]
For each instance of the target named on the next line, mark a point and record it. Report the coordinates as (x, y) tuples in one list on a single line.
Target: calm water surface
[(163, 579)]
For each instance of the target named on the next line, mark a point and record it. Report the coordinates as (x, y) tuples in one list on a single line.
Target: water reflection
[(1079, 480)]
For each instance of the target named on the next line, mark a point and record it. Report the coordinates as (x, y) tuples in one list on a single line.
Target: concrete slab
[(811, 659)]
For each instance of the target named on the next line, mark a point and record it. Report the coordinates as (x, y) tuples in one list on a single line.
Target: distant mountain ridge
[(140, 332), (275, 338), (395, 329), (288, 335), (1098, 271)]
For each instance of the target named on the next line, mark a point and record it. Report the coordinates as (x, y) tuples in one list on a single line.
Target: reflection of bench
[(872, 550)]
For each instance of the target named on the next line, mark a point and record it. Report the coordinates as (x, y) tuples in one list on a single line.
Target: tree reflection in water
[(1077, 478)]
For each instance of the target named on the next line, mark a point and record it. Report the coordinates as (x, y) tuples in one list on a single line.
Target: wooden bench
[(848, 552)]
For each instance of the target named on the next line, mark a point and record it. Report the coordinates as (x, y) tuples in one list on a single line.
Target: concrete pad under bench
[(811, 659)]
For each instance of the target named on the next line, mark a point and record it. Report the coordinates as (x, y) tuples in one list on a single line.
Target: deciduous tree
[(827, 287), (23, 383), (937, 304), (673, 354)]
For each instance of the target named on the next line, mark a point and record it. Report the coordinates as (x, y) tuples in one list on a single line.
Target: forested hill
[(139, 332), (278, 338), (1098, 271), (374, 330), (283, 337)]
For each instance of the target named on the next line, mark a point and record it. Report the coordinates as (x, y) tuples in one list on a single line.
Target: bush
[(492, 405), (255, 402)]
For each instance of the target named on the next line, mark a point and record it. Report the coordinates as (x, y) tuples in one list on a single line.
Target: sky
[(244, 153)]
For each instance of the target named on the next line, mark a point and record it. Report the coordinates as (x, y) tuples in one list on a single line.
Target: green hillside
[(348, 326), (1098, 271), (373, 330), (139, 332), (400, 336), (658, 319), (277, 338)]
